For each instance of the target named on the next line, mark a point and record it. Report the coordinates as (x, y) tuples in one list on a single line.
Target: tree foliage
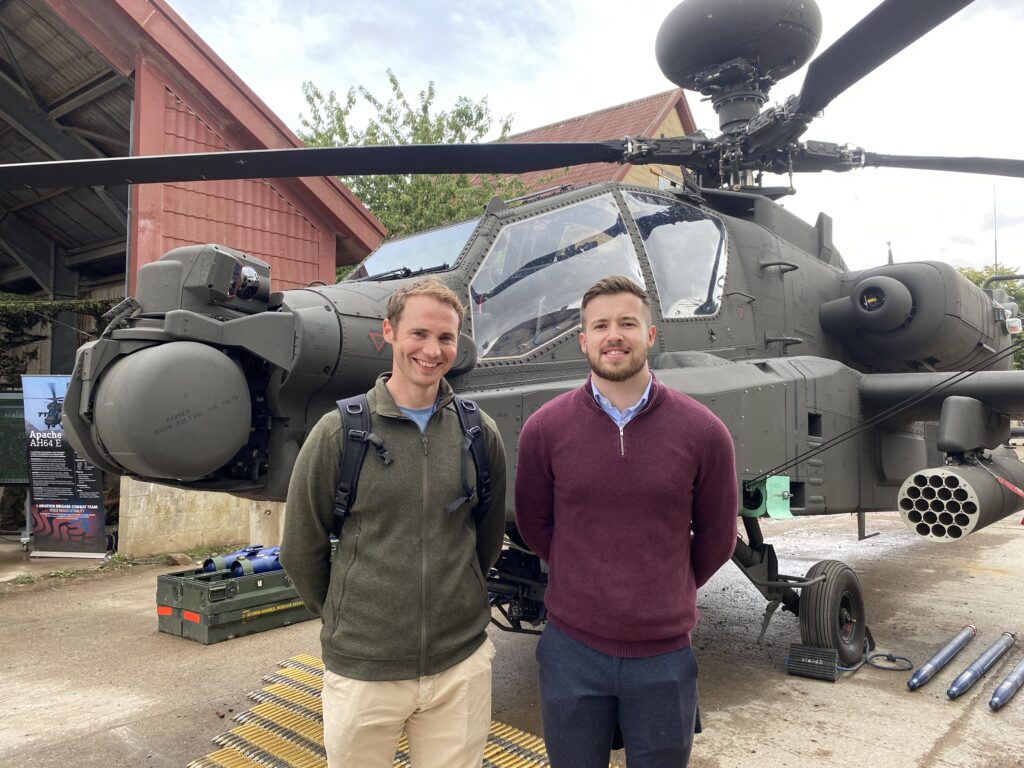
[(407, 204), (23, 321), (1014, 289)]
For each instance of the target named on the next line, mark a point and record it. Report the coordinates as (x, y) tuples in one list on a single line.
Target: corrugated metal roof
[(58, 99), (53, 57), (73, 220), (641, 117)]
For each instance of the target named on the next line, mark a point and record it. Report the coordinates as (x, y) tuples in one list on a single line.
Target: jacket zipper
[(622, 443), (344, 579), (423, 562)]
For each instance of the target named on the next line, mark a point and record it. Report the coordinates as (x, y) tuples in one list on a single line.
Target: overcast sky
[(955, 92)]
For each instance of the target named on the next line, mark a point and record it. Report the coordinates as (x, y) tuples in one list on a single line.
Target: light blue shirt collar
[(621, 418)]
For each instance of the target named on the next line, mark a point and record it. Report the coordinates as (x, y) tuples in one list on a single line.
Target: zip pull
[(622, 443)]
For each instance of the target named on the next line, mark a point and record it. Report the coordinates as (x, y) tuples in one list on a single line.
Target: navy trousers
[(585, 693)]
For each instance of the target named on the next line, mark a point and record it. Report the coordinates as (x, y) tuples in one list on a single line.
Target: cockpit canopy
[(528, 288), (431, 251)]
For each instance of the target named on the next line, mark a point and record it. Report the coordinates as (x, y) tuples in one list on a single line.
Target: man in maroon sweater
[(627, 489)]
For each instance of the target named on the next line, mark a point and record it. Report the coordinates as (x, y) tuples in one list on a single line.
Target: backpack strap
[(472, 443), (355, 427)]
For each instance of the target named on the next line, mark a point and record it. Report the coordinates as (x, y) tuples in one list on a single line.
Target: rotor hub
[(737, 105)]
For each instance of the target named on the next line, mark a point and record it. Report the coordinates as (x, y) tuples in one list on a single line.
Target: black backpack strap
[(356, 434), (355, 428), (473, 443)]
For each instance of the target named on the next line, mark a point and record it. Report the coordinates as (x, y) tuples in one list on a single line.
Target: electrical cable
[(894, 663), (66, 325)]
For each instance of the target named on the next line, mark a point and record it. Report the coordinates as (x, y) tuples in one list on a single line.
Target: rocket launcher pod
[(1008, 687), (947, 503), (941, 658), (980, 665)]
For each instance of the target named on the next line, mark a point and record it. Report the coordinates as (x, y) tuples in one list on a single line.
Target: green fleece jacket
[(405, 595)]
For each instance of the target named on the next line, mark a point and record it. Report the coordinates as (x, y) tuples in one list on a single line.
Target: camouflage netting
[(12, 508), (23, 323)]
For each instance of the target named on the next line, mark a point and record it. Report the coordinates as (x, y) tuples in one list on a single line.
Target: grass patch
[(116, 562), (203, 552), (67, 573)]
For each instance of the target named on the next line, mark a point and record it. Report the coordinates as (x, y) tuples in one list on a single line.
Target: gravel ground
[(88, 680)]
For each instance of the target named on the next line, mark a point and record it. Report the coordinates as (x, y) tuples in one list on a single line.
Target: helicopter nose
[(175, 411)]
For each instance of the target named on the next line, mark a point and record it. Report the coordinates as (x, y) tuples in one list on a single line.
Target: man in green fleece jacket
[(404, 601)]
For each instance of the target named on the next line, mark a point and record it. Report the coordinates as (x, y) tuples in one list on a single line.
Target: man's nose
[(432, 347)]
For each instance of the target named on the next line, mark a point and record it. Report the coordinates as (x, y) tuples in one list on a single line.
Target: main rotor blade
[(309, 161), (876, 38), (993, 166)]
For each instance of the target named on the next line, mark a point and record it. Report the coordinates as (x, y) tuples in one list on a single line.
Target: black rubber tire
[(832, 611)]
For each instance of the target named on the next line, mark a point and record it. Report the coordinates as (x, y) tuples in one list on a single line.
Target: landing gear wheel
[(832, 611)]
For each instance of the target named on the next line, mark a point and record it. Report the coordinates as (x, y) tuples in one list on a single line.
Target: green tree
[(1013, 288), (407, 204)]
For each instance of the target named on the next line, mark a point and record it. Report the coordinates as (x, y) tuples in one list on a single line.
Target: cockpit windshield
[(431, 251), (530, 285), (686, 249)]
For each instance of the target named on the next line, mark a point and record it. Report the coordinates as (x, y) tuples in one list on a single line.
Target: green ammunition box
[(209, 607)]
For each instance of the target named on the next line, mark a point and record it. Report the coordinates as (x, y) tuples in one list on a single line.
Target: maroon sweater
[(630, 526)]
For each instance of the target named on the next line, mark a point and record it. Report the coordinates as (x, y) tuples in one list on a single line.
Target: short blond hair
[(428, 286), (609, 286)]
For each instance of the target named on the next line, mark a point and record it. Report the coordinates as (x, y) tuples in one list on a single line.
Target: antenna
[(995, 231)]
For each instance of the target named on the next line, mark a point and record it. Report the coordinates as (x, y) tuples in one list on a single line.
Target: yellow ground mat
[(285, 729)]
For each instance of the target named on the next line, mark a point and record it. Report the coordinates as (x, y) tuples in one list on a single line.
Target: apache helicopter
[(54, 410), (844, 391)]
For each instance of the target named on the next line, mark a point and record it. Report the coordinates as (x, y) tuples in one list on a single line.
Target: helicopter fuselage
[(736, 283)]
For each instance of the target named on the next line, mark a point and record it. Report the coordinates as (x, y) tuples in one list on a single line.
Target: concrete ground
[(88, 681)]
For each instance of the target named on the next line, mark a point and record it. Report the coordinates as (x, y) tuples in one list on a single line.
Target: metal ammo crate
[(211, 606)]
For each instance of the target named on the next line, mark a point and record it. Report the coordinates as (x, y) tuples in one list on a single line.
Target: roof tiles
[(642, 117)]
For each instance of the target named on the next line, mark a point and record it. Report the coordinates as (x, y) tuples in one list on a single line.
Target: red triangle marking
[(378, 340)]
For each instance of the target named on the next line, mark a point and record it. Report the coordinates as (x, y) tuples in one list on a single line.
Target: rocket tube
[(941, 657), (1008, 687), (265, 561), (224, 562), (980, 665)]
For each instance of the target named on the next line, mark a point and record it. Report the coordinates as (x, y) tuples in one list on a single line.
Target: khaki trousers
[(446, 717)]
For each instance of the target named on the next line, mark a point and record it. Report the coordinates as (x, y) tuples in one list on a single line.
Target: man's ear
[(388, 331)]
